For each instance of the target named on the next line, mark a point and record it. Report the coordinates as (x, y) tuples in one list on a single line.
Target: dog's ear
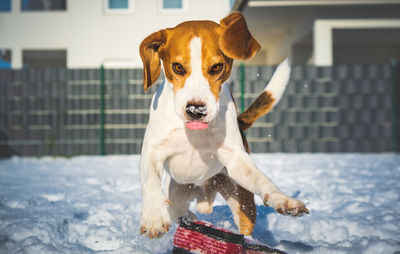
[(236, 40), (149, 52)]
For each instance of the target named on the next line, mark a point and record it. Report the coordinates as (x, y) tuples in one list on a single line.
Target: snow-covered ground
[(92, 204)]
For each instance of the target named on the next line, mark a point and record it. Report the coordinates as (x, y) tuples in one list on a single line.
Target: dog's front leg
[(242, 169), (155, 219)]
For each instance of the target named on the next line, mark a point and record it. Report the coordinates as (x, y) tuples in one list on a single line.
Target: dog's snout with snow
[(196, 111)]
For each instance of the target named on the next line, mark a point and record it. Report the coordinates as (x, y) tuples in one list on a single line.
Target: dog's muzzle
[(196, 111)]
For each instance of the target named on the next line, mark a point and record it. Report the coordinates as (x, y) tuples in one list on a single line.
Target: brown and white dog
[(194, 132)]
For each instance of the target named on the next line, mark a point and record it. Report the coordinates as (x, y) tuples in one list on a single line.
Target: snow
[(92, 204)]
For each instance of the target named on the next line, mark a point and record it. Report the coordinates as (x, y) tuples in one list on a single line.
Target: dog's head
[(197, 58)]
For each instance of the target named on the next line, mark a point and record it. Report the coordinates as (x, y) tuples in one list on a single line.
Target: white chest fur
[(190, 156)]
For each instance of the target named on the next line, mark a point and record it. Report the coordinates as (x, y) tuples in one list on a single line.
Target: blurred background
[(71, 78)]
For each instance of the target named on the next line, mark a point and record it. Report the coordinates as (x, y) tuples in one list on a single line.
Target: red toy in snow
[(201, 237)]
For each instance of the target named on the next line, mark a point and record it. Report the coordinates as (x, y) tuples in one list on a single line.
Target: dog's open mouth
[(196, 125)]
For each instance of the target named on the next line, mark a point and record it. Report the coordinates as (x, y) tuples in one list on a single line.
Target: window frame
[(108, 10)]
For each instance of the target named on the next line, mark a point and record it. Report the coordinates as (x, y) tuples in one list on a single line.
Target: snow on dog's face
[(197, 59)]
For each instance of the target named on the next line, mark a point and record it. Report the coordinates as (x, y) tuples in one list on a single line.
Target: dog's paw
[(155, 221), (204, 207), (286, 205)]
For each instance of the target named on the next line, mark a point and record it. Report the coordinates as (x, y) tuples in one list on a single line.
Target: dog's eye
[(178, 68), (216, 68)]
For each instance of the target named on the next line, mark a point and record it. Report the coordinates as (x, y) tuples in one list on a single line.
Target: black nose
[(196, 111)]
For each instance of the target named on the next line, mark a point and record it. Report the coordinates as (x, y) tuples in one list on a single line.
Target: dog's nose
[(196, 111)]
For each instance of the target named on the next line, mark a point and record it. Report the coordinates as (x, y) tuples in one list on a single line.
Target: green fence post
[(395, 91), (102, 151), (242, 89)]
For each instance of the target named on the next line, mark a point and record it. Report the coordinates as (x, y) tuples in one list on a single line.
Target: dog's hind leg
[(206, 196), (240, 201), (180, 196)]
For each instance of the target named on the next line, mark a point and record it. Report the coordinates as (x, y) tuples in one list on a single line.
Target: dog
[(194, 132)]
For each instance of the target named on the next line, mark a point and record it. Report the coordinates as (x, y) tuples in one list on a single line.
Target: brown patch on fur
[(236, 40), (262, 105), (247, 211), (245, 143), (151, 60)]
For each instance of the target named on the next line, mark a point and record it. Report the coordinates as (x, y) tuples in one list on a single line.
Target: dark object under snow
[(200, 237)]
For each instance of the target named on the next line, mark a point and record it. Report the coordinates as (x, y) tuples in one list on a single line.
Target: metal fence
[(57, 111), (331, 109)]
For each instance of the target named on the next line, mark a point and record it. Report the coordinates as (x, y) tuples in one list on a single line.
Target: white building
[(325, 32), (88, 33)]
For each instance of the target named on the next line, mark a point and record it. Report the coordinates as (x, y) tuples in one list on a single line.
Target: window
[(5, 5), (5, 59), (173, 6), (44, 58), (118, 6), (43, 5)]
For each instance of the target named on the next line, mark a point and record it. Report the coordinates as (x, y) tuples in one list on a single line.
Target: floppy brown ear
[(236, 40), (151, 60)]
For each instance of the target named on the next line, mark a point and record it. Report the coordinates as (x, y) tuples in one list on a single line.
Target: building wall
[(289, 30), (90, 35)]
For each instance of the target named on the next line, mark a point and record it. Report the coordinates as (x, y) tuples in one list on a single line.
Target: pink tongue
[(196, 125)]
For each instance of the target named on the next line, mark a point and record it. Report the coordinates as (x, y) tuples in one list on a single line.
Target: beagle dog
[(194, 133)]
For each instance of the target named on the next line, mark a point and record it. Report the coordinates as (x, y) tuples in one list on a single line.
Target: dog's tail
[(268, 98)]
